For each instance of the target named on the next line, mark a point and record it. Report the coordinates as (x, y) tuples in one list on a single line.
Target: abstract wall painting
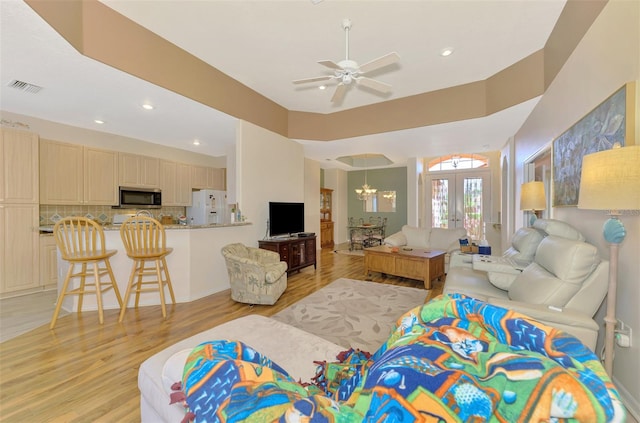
[(599, 130)]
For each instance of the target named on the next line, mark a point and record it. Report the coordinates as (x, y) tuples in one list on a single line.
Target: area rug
[(353, 313)]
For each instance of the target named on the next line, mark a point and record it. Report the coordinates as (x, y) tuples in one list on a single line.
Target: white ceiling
[(267, 44)]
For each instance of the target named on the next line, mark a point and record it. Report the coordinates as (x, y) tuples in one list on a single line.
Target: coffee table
[(412, 263)]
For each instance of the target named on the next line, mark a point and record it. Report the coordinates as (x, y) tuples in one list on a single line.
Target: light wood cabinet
[(18, 166), (326, 225), (73, 174), (138, 171), (19, 249), (176, 183), (48, 262), (100, 176), (19, 211), (326, 234), (61, 167), (203, 177)]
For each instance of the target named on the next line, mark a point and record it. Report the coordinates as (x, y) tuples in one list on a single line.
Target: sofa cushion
[(473, 283), (446, 239), (501, 280), (416, 237), (571, 261), (557, 274), (558, 228), (538, 286), (524, 245), (396, 240)]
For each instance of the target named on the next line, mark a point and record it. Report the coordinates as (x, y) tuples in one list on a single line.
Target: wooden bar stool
[(145, 241), (81, 242)]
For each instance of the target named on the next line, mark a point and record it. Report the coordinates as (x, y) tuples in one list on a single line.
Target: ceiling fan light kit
[(347, 71)]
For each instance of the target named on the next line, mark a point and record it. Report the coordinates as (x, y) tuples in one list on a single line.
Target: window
[(458, 161)]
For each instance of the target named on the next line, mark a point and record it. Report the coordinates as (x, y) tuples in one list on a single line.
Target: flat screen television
[(285, 218)]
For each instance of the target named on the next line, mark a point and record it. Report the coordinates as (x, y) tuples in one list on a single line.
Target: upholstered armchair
[(256, 276)]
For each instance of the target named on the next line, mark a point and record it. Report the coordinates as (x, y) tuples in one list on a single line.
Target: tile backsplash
[(50, 214)]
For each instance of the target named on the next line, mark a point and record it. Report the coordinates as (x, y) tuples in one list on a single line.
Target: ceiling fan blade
[(374, 85), (338, 95), (380, 62), (314, 79), (330, 64)]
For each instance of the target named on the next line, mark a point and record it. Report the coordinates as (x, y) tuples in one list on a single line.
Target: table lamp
[(532, 198), (611, 181)]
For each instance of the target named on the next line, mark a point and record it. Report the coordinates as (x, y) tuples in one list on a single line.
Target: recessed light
[(99, 122), (322, 87), (147, 106), (196, 142), (446, 52)]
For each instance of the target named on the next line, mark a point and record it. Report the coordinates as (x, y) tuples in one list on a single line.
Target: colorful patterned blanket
[(454, 359)]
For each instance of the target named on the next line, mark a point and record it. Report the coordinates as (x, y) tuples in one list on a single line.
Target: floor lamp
[(532, 198), (611, 181)]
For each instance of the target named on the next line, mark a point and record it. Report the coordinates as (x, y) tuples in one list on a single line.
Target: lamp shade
[(532, 196), (611, 180)]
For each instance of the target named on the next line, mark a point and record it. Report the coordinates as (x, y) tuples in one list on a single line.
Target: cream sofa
[(429, 238), (563, 286)]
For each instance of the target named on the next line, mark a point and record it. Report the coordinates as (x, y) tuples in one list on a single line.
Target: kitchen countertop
[(110, 227)]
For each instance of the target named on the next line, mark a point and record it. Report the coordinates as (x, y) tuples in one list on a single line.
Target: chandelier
[(366, 191)]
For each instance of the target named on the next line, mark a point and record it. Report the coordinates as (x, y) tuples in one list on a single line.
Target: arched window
[(458, 161)]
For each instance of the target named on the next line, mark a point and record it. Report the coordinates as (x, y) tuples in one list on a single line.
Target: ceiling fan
[(348, 71)]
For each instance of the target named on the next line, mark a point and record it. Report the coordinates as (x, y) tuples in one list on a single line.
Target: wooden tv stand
[(297, 252)]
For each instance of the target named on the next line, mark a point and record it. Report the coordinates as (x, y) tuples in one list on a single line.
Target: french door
[(460, 200)]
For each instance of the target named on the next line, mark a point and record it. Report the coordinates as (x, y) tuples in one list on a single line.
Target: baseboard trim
[(631, 404)]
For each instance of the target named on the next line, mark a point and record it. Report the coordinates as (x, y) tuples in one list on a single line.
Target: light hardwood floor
[(22, 314), (86, 372)]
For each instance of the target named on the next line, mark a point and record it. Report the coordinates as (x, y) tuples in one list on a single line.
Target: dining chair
[(144, 240), (81, 243)]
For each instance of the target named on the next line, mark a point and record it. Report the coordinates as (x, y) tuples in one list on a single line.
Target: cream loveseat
[(256, 276), (563, 286), (429, 238)]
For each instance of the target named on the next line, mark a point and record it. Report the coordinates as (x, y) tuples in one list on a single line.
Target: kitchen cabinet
[(18, 166), (296, 252), (61, 167), (100, 176), (203, 177), (19, 248), (19, 211), (74, 174), (138, 171), (48, 262), (176, 183)]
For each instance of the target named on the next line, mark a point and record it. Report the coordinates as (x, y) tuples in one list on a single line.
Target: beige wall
[(606, 58), (270, 167)]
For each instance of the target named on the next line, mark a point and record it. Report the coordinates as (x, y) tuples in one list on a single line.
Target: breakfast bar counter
[(196, 265)]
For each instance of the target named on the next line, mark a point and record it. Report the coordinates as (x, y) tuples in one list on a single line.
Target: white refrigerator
[(207, 207)]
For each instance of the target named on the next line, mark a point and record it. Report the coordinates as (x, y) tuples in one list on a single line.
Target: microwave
[(140, 198)]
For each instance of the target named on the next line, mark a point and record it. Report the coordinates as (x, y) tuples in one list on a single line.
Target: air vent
[(24, 86)]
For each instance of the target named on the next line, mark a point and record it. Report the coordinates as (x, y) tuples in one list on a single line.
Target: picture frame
[(610, 122)]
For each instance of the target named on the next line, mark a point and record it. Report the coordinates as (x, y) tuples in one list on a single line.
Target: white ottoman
[(292, 348)]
